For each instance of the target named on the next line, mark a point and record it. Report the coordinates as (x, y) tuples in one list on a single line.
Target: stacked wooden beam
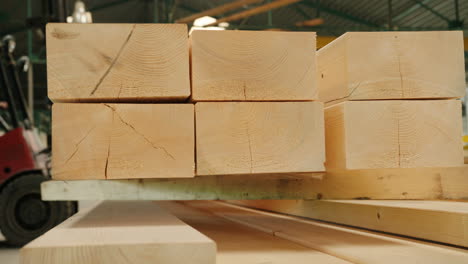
[(391, 99), (392, 112), (274, 125), (97, 76), (252, 96)]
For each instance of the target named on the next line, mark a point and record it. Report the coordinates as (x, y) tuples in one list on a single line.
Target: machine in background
[(24, 163)]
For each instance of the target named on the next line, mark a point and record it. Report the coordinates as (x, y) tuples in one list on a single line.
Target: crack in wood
[(398, 141), (120, 90), (250, 149), (399, 67), (108, 149), (401, 78), (139, 133), (245, 95), (77, 145), (439, 187), (347, 96), (446, 135), (113, 62)]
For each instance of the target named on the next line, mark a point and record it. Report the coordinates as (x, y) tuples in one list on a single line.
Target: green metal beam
[(4, 16), (269, 15), (428, 8), (390, 15), (409, 11), (332, 28), (301, 10), (340, 14), (155, 11), (29, 32), (188, 8), (172, 10)]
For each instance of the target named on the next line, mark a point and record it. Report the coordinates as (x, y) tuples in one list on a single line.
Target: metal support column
[(270, 17), (390, 15), (155, 11)]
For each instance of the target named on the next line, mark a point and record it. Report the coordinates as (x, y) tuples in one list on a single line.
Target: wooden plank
[(413, 183), (354, 245), (117, 62), (253, 66), (122, 141), (218, 10), (324, 40), (407, 183), (274, 186), (121, 232), (239, 244), (392, 65), (393, 134), (254, 11), (252, 137), (441, 221)]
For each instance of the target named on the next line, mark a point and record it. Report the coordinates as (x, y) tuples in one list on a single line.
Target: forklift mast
[(18, 152)]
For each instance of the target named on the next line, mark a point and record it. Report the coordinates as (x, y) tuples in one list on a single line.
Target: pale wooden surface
[(117, 62), (413, 183), (394, 134), (122, 141), (441, 221), (392, 65), (253, 66), (274, 186), (121, 232), (354, 245), (238, 244), (259, 137)]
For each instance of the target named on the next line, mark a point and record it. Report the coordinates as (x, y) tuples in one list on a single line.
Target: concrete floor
[(8, 255)]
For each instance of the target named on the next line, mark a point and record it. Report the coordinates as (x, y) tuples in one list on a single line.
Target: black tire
[(23, 215)]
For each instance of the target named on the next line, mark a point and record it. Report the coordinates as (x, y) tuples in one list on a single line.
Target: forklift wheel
[(23, 215)]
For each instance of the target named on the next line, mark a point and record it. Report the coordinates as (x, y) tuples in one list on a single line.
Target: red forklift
[(24, 162)]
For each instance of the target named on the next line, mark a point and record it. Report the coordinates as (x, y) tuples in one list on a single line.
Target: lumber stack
[(392, 112), (254, 108), (391, 129), (98, 74), (391, 99), (125, 109)]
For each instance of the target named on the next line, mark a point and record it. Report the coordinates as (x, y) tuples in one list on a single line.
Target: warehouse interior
[(25, 20)]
